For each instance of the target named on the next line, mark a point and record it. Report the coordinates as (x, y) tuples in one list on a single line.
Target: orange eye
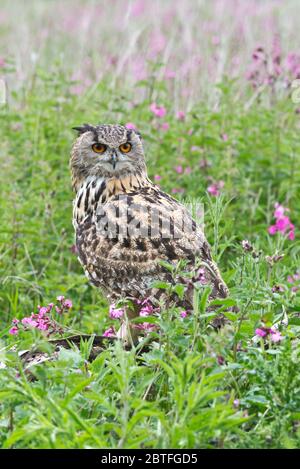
[(125, 147), (99, 147)]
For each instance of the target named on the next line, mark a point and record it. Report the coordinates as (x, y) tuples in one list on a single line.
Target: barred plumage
[(118, 241)]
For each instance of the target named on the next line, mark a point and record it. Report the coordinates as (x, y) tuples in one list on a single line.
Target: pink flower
[(110, 332), (279, 210), (214, 189), (14, 330), (179, 169), (272, 332), (291, 235), (183, 314), (115, 313), (157, 43), (260, 332), (294, 280), (43, 310), (201, 276), (283, 224), (272, 229), (60, 298), (224, 137), (177, 190), (67, 304), (165, 126), (180, 115), (157, 177), (276, 336), (188, 170), (215, 40), (292, 64), (42, 325), (77, 90), (29, 321), (170, 74), (130, 126), (138, 7), (158, 111)]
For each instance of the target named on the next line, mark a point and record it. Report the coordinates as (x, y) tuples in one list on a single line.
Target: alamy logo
[(126, 219)]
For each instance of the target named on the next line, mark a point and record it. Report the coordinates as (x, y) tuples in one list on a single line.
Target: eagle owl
[(125, 225)]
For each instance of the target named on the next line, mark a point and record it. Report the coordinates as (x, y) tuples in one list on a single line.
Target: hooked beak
[(114, 160)]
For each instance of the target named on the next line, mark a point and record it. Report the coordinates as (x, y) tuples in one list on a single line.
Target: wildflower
[(276, 336), (247, 246), (188, 170), (43, 310), (236, 403), (204, 163), (43, 325), (158, 111), (165, 126), (170, 74), (224, 137), (110, 332), (195, 148), (177, 190), (157, 43), (60, 298), (294, 280), (179, 169), (292, 64), (67, 304), (29, 321), (180, 115), (183, 314), (115, 313), (157, 177), (260, 332), (130, 126), (273, 333), (14, 330), (214, 188), (283, 223)]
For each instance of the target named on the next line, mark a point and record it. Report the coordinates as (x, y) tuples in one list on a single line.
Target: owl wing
[(122, 243)]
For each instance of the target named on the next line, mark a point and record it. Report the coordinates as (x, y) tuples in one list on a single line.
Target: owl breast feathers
[(125, 225)]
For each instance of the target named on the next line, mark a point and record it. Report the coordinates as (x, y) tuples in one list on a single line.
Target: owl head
[(106, 151)]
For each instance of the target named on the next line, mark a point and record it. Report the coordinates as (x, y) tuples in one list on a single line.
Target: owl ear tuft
[(139, 134), (135, 131), (84, 128)]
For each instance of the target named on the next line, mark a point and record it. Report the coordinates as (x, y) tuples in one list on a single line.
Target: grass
[(195, 387)]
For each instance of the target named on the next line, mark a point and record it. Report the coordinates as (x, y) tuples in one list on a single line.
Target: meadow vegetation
[(229, 141)]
